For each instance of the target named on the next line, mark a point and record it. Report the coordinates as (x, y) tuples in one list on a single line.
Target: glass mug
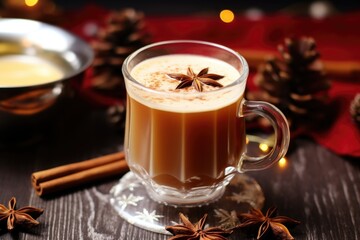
[(186, 145)]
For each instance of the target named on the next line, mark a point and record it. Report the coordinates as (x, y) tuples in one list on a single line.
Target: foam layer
[(152, 73)]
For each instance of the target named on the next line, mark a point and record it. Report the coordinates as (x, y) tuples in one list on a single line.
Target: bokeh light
[(227, 16), (31, 3), (320, 9), (254, 14)]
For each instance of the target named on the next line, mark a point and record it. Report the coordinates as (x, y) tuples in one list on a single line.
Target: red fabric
[(343, 136), (337, 38)]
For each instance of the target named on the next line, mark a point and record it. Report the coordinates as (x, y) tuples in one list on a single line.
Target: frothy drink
[(179, 142)]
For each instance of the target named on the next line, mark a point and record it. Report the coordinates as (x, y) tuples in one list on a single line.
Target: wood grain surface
[(317, 187)]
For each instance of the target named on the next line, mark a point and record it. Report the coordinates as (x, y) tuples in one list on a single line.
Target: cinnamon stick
[(64, 177), (349, 70)]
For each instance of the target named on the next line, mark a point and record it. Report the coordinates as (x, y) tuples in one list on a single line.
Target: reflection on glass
[(263, 147)]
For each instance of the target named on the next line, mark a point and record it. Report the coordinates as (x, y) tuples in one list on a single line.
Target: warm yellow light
[(247, 140), (227, 16), (31, 3), (282, 162), (263, 147)]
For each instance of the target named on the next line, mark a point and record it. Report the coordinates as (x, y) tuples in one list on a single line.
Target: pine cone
[(355, 109), (296, 83), (115, 116), (123, 34)]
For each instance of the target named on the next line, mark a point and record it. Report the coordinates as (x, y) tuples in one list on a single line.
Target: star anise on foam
[(268, 224), (196, 80), (189, 231), (23, 217)]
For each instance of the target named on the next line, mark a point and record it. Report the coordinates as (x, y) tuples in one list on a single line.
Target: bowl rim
[(67, 33)]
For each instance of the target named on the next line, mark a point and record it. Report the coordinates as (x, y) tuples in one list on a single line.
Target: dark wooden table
[(317, 187)]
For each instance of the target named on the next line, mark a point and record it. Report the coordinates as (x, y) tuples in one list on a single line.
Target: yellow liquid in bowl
[(24, 70)]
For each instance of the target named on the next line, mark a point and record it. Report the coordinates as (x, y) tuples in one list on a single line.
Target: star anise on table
[(189, 231), (268, 225), (23, 217), (196, 80)]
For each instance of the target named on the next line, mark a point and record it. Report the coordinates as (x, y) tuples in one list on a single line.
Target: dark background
[(168, 7)]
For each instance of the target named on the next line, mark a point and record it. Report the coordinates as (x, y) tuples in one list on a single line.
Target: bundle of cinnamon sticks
[(58, 179)]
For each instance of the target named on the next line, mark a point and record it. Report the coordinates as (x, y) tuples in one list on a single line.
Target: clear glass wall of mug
[(187, 144)]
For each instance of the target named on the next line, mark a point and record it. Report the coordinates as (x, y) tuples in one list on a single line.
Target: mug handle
[(281, 129)]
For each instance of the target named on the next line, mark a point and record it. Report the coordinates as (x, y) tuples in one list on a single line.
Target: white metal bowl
[(19, 104)]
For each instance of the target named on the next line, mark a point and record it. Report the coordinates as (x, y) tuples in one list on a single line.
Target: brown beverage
[(183, 143)]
